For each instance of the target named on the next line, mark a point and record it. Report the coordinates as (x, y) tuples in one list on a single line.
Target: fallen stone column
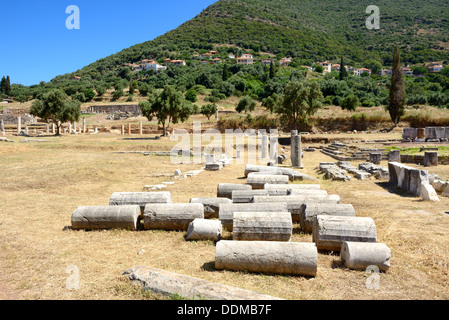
[(360, 255), (262, 226), (295, 203), (329, 232), (311, 210), (283, 190), (299, 192), (175, 216), (224, 190), (245, 196), (292, 174), (106, 217), (293, 258), (258, 181), (226, 213), (169, 283), (211, 205), (139, 198), (203, 229)]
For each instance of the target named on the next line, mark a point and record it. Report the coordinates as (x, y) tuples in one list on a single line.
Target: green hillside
[(308, 29)]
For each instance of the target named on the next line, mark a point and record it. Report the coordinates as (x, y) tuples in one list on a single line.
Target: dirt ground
[(42, 183)]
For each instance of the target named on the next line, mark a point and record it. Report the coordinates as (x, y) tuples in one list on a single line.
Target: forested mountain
[(311, 30)]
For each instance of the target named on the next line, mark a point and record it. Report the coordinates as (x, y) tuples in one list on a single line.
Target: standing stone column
[(421, 133), (70, 128), (375, 157), (274, 145), (216, 116), (84, 124), (74, 127), (129, 128), (293, 133), (264, 146), (19, 125), (53, 128), (296, 151), (141, 128), (2, 127), (26, 130), (123, 130), (394, 156), (430, 159), (47, 129)]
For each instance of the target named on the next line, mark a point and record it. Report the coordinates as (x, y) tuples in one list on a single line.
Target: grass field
[(43, 182)]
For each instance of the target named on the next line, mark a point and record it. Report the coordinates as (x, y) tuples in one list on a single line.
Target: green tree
[(101, 90), (191, 95), (246, 104), (350, 102), (226, 73), (343, 71), (272, 70), (209, 110), (319, 69), (397, 90), (132, 86), (56, 107), (89, 94), (8, 86), (167, 106), (300, 101), (3, 85)]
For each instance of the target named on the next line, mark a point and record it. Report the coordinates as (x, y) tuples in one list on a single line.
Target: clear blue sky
[(36, 45)]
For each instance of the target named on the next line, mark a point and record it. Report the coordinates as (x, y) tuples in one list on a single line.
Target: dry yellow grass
[(42, 183)]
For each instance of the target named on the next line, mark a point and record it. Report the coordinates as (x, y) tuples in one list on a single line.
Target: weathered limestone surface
[(295, 258), (360, 255), (428, 193), (224, 190), (394, 156), (329, 232), (284, 190), (430, 159), (306, 192), (211, 205), (139, 198), (262, 226), (295, 203), (204, 229), (292, 174), (175, 216), (168, 283), (407, 178), (106, 217), (258, 181), (226, 213), (311, 210), (245, 196)]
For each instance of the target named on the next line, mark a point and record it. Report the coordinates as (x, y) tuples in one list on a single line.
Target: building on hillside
[(167, 61), (285, 62), (247, 55), (407, 71), (435, 68), (216, 61), (307, 67), (327, 66), (178, 62), (205, 62), (75, 78), (207, 55), (267, 62), (245, 61), (231, 56), (386, 72)]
